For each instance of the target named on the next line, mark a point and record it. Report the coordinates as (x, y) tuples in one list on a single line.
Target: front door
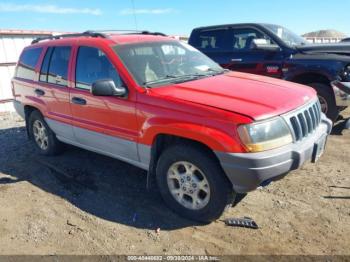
[(103, 124), (245, 58)]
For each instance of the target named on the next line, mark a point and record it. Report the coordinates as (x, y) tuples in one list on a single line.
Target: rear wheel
[(193, 184), (327, 101), (43, 137)]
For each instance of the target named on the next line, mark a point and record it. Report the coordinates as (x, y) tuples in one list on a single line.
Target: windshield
[(286, 35), (161, 63)]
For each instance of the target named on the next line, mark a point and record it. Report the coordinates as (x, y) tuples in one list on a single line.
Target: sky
[(176, 17)]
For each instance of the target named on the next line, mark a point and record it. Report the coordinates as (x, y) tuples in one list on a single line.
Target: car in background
[(275, 51), (345, 40)]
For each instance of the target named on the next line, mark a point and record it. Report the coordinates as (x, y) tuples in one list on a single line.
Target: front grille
[(305, 121)]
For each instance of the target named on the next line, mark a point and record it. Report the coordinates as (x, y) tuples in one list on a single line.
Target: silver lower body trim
[(128, 151), (102, 152)]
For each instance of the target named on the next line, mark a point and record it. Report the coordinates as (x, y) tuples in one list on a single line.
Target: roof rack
[(53, 37), (101, 33), (127, 32)]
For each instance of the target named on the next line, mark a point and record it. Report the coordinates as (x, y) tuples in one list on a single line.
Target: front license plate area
[(319, 149)]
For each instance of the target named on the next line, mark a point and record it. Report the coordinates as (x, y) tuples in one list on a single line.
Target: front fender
[(296, 68)]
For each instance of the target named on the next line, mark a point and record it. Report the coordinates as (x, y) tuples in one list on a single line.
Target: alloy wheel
[(188, 185), (40, 135)]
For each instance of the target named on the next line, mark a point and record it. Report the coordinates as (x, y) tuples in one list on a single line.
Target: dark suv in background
[(275, 51)]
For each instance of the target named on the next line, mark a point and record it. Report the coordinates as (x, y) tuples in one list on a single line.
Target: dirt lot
[(84, 203)]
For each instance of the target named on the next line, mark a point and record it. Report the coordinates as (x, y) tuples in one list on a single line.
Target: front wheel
[(327, 101), (193, 184)]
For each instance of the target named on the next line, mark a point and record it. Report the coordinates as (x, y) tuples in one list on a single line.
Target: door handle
[(78, 101), (236, 60), (39, 92)]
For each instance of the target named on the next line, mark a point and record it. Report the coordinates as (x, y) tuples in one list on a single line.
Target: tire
[(43, 137), (209, 206), (327, 100)]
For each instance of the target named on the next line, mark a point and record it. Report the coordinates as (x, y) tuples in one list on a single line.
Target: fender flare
[(214, 139)]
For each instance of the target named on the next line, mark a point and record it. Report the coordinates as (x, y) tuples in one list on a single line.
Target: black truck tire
[(327, 100)]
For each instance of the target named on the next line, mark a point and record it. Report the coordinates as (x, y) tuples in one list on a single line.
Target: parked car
[(275, 51), (205, 134), (345, 40)]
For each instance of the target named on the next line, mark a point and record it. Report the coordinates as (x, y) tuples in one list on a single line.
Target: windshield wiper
[(173, 79), (160, 80), (181, 78)]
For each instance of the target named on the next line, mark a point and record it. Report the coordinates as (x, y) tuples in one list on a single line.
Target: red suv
[(157, 103)]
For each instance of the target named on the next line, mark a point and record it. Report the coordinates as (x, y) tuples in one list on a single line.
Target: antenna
[(134, 13)]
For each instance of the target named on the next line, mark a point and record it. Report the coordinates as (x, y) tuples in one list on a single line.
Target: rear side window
[(27, 63), (45, 65), (212, 40), (93, 65), (54, 69)]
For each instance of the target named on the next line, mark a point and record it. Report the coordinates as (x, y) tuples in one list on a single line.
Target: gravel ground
[(84, 203)]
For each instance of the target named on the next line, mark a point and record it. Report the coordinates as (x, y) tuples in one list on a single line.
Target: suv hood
[(255, 96), (339, 48)]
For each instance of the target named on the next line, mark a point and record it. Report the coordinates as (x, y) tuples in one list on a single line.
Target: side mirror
[(263, 44), (107, 87)]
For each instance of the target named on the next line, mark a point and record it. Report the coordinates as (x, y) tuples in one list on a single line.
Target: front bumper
[(342, 93), (247, 171)]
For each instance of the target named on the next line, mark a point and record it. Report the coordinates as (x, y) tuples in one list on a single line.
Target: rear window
[(27, 63), (210, 40)]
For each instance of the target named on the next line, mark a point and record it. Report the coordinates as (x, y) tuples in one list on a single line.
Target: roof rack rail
[(128, 32), (100, 33), (53, 37), (153, 33)]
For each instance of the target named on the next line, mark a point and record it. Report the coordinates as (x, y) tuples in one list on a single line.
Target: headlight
[(262, 136)]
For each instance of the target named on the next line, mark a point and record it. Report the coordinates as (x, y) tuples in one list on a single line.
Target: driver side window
[(92, 65)]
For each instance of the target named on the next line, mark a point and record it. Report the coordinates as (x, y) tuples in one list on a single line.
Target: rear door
[(53, 85), (103, 124), (214, 43)]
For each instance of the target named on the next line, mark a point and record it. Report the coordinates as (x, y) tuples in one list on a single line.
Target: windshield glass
[(160, 63), (286, 35)]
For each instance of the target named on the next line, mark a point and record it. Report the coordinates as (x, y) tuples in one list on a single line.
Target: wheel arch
[(164, 140), (308, 78), (28, 109)]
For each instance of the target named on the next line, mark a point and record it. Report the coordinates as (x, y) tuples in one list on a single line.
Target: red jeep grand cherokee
[(159, 104)]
